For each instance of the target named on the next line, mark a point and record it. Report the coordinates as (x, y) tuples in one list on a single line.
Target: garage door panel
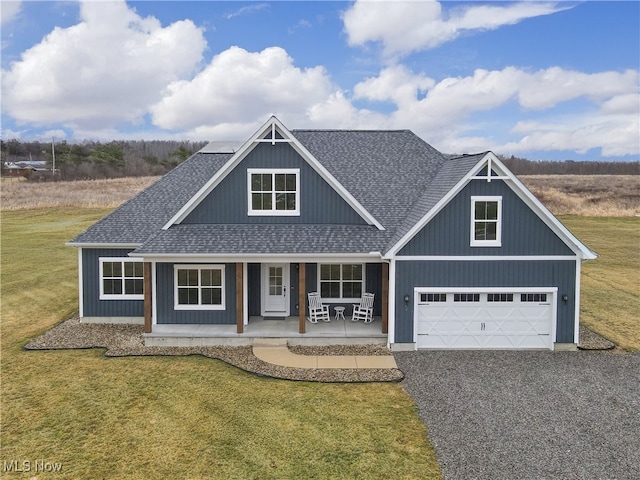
[(483, 321)]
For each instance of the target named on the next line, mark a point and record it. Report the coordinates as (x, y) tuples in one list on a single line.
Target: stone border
[(126, 340)]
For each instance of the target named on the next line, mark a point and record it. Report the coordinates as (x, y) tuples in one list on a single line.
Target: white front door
[(275, 289)]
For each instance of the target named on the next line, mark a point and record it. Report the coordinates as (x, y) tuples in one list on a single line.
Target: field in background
[(588, 195), (109, 193)]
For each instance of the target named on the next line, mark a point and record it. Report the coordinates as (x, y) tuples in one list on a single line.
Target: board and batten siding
[(165, 292), (481, 273), (449, 232), (373, 279), (228, 201), (92, 305)]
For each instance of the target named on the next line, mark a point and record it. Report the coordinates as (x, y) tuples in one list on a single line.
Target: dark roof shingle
[(395, 175)]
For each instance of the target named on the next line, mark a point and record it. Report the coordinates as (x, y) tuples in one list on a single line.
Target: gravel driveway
[(529, 415)]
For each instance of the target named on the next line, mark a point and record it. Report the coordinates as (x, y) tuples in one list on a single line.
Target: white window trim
[(122, 296), (178, 306), (273, 211), (486, 243), (342, 299)]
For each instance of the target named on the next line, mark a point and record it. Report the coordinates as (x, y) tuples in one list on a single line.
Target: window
[(274, 192), (199, 287), (121, 278), (533, 297), (433, 297), (343, 282), (466, 297), (499, 297), (486, 221)]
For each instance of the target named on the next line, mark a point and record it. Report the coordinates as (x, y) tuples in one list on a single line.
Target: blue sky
[(542, 80)]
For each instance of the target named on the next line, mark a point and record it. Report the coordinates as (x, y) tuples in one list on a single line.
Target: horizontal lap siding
[(319, 203), (92, 305), (167, 314), (457, 274), (449, 232)]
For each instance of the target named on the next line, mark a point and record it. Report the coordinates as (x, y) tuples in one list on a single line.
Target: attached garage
[(471, 318)]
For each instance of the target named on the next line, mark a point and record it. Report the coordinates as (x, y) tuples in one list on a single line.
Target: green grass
[(610, 303), (173, 417)]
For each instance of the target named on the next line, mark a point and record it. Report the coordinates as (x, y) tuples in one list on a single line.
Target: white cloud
[(106, 69), (608, 120), (238, 87), (8, 11), (615, 135), (408, 26)]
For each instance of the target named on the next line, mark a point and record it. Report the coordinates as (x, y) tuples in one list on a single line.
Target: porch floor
[(335, 332)]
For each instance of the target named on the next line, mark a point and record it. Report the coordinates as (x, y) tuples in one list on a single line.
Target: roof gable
[(485, 168), (316, 201), (273, 132)]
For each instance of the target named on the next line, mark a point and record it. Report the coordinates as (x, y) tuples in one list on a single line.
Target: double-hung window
[(121, 279), (341, 281), (486, 221), (273, 191), (199, 287)]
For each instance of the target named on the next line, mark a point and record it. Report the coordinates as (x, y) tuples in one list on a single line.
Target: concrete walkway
[(275, 351)]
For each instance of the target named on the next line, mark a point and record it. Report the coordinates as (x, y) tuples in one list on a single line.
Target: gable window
[(199, 287), (486, 221), (121, 279), (341, 281), (273, 192)]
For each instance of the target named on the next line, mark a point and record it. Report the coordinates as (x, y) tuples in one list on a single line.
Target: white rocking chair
[(317, 311), (364, 311)]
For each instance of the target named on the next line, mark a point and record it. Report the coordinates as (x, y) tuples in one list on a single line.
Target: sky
[(540, 80)]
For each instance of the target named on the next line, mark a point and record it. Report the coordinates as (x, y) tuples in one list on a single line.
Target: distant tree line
[(522, 166), (95, 160)]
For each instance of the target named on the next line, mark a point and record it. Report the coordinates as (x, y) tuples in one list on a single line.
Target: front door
[(275, 291)]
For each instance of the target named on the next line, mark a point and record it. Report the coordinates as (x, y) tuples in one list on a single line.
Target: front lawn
[(611, 283), (172, 417)]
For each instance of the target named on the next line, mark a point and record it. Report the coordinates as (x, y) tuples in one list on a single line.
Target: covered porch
[(335, 332), (265, 299)]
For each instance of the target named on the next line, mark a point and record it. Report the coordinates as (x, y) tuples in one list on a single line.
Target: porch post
[(385, 298), (239, 299), (148, 298), (302, 304)]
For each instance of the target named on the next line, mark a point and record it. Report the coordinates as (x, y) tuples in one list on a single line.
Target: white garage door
[(485, 320)]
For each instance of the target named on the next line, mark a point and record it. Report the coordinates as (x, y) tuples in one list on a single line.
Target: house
[(458, 253)]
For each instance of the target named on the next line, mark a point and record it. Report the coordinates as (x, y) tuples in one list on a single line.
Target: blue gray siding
[(523, 233), (319, 203), (165, 300), (455, 274), (93, 306), (373, 279)]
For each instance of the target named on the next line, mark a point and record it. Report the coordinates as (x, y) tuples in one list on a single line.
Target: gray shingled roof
[(265, 239), (395, 175), (386, 171), (146, 213)]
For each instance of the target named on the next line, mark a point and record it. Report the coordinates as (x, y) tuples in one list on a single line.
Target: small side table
[(339, 313)]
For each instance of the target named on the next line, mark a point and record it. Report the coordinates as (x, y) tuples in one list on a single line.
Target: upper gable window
[(273, 192), (486, 221)]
